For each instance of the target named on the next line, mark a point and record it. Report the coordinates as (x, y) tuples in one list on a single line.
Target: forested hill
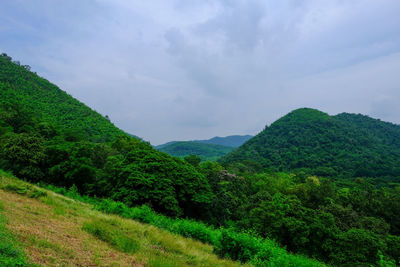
[(346, 145), (210, 149), (21, 87), (203, 150), (232, 140), (49, 137)]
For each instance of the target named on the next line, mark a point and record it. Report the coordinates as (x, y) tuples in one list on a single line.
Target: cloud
[(174, 70)]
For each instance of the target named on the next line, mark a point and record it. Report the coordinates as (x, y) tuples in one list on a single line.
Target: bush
[(227, 243), (260, 252)]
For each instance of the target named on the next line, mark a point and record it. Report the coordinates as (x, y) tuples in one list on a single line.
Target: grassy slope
[(55, 230)]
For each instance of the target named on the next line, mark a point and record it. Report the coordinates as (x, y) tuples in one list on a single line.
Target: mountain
[(20, 86), (232, 140), (210, 149), (203, 150), (48, 136), (349, 145)]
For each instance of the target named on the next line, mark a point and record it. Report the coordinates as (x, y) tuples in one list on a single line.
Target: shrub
[(19, 189)]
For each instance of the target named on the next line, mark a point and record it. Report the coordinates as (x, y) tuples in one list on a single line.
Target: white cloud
[(168, 70)]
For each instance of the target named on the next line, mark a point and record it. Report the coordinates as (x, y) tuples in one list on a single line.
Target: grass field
[(52, 230)]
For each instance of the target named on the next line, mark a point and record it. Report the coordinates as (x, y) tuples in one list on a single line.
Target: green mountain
[(232, 140), (53, 141), (52, 105), (48, 136), (203, 150), (210, 149), (348, 145)]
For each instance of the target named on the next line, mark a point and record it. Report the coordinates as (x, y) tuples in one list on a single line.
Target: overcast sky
[(193, 69)]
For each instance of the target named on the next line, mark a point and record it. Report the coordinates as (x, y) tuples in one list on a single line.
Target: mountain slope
[(203, 150), (50, 103), (211, 149), (347, 144), (232, 140), (54, 230), (48, 136)]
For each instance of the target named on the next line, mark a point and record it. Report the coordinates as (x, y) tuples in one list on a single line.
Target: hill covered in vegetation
[(48, 136), (203, 150), (21, 87), (238, 210), (76, 234), (346, 145), (231, 140), (211, 149)]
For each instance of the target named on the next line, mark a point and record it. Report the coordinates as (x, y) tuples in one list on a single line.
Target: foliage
[(227, 243), (51, 143), (346, 145), (52, 105), (47, 136)]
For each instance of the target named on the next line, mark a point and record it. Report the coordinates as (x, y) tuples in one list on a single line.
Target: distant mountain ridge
[(210, 149), (203, 150), (231, 141), (350, 145)]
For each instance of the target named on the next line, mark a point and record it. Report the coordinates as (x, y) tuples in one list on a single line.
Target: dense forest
[(346, 145), (285, 184), (48, 136)]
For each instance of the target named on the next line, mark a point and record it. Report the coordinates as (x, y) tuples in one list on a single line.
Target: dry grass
[(51, 231)]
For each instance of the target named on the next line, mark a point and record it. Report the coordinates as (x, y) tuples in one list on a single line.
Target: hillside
[(45, 100), (48, 136), (203, 150), (232, 140), (347, 145), (50, 229), (53, 230), (210, 149)]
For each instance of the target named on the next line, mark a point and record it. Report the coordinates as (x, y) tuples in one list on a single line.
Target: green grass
[(10, 252), (82, 236), (158, 247), (110, 232), (229, 244)]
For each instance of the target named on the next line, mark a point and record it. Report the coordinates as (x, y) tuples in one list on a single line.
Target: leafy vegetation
[(50, 104), (345, 145), (227, 243), (286, 184), (204, 151), (39, 143), (82, 236)]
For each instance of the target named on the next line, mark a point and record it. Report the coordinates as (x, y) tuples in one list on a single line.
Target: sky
[(193, 69)]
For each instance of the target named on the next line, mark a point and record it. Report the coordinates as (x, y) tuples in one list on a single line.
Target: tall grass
[(227, 243), (109, 232)]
